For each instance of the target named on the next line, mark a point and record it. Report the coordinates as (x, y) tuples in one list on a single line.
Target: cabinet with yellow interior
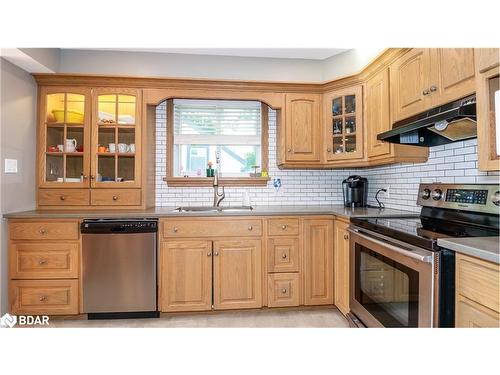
[(90, 138), (63, 141)]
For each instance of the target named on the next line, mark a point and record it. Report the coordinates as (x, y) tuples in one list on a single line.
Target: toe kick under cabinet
[(245, 262)]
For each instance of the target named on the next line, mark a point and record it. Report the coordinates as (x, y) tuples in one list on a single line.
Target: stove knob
[(426, 193), (496, 198), (437, 194)]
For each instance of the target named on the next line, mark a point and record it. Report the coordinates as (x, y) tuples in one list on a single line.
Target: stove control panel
[(465, 197)]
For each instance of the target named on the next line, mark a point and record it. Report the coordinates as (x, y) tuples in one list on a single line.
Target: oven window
[(387, 289)]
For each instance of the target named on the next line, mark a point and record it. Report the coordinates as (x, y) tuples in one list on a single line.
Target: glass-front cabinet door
[(344, 121), (116, 138), (64, 137)]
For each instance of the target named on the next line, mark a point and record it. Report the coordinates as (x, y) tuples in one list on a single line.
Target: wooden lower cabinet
[(44, 297), (237, 274), (318, 261), (186, 275), (477, 293), (283, 290), (341, 266)]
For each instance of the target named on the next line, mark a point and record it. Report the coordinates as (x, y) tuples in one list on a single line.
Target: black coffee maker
[(355, 189)]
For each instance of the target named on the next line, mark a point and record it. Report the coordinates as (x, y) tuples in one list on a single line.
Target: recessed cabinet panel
[(302, 127)]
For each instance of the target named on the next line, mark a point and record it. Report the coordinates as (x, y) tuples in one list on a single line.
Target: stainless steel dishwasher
[(119, 268)]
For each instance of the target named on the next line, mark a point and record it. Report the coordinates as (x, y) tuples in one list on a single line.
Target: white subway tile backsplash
[(452, 163)]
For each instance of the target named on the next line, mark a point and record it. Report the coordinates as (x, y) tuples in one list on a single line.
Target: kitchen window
[(199, 130)]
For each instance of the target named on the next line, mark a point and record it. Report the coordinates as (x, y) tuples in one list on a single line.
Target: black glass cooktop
[(423, 231)]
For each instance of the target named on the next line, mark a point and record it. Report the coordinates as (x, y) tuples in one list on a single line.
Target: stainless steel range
[(399, 276)]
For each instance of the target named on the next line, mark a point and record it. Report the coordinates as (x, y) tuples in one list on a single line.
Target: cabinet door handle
[(62, 197), (289, 150), (283, 290), (284, 256), (209, 254), (425, 92), (85, 176), (216, 254), (328, 150), (92, 177), (433, 88), (346, 236)]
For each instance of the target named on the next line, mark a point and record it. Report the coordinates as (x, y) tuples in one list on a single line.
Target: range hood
[(448, 123)]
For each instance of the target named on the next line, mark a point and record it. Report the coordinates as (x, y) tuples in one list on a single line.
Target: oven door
[(391, 283)]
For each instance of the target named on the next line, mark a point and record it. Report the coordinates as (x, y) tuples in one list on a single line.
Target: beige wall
[(17, 141)]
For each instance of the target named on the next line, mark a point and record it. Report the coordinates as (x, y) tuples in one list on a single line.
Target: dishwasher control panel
[(119, 226)]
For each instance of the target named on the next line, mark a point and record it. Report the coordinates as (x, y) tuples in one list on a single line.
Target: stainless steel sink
[(213, 209)]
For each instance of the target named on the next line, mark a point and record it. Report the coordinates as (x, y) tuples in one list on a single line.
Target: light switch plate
[(10, 166)]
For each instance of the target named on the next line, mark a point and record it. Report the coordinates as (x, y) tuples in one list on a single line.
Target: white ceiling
[(282, 53)]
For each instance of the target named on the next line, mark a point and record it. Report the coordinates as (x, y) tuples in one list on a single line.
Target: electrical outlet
[(10, 165)]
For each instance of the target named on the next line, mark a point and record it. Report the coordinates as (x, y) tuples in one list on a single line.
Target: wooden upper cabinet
[(410, 82), (341, 266), (237, 273), (343, 125), (454, 77), (486, 58), (116, 138), (64, 137), (186, 275), (487, 84), (302, 122), (318, 256), (377, 114), (427, 77)]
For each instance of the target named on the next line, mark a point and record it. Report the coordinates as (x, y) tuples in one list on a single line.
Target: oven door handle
[(420, 255)]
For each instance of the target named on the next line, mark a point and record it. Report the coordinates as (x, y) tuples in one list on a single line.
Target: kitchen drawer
[(44, 260), (115, 197), (478, 281), (283, 227), (283, 254), (283, 289), (63, 197), (212, 228), (44, 297), (43, 230), (470, 314)]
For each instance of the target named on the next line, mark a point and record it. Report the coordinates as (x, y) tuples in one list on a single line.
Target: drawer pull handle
[(283, 226), (42, 262), (284, 256), (43, 231), (115, 197), (289, 150), (250, 227), (346, 237), (175, 229), (283, 290), (43, 298), (62, 197)]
